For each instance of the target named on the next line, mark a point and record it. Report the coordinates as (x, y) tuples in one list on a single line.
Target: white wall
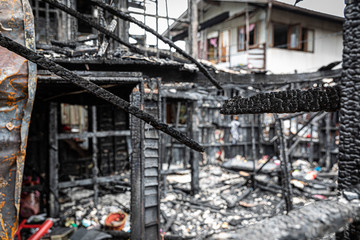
[(327, 49), (236, 58), (327, 46)]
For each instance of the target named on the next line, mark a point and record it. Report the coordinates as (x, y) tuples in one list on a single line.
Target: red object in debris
[(319, 197), (30, 201), (311, 175), (43, 229), (116, 221), (30, 204)]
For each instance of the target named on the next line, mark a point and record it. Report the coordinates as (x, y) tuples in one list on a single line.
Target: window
[(224, 46), (280, 35), (307, 40), (85, 8), (212, 49), (242, 37), (293, 37), (176, 110)]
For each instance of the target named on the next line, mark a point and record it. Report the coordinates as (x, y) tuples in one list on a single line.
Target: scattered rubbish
[(239, 163), (311, 175), (350, 195), (321, 197), (116, 221), (83, 234)]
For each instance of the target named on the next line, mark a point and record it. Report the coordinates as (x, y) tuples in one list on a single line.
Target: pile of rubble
[(231, 199)]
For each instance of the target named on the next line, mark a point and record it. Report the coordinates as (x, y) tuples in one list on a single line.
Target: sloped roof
[(178, 27)]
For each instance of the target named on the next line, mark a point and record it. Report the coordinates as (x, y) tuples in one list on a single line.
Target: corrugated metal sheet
[(18, 85)]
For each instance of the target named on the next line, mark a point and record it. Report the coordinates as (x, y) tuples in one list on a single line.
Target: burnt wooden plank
[(53, 160)]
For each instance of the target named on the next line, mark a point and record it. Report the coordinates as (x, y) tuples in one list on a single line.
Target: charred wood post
[(127, 17), (195, 157), (53, 161), (145, 162), (97, 91), (253, 148), (137, 169), (349, 146), (95, 169), (286, 186)]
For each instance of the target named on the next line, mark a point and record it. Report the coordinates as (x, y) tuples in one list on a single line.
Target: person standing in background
[(235, 129)]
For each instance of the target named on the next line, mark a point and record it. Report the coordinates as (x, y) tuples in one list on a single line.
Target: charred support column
[(194, 156), (95, 170), (137, 169), (287, 191), (53, 160), (145, 162), (349, 147)]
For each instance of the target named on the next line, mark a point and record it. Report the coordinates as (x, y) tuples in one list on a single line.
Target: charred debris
[(100, 172)]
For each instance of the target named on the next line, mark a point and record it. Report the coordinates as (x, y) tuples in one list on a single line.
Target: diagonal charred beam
[(291, 101), (96, 90), (310, 222), (127, 17), (92, 23)]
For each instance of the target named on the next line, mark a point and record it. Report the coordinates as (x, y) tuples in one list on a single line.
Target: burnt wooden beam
[(97, 91), (88, 182), (92, 23), (310, 222), (291, 101), (269, 79), (349, 148), (127, 17)]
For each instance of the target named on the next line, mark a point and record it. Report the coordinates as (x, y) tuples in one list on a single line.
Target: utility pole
[(193, 28)]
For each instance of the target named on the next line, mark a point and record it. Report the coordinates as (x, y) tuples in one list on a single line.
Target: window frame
[(225, 58), (215, 59), (255, 45), (299, 48), (290, 27), (313, 40)]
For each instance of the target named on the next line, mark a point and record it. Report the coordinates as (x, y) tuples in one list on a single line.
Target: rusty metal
[(18, 85)]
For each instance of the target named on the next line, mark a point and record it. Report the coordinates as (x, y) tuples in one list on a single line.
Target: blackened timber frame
[(137, 168), (54, 165)]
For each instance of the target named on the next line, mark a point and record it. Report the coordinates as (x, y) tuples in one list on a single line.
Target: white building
[(264, 35)]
